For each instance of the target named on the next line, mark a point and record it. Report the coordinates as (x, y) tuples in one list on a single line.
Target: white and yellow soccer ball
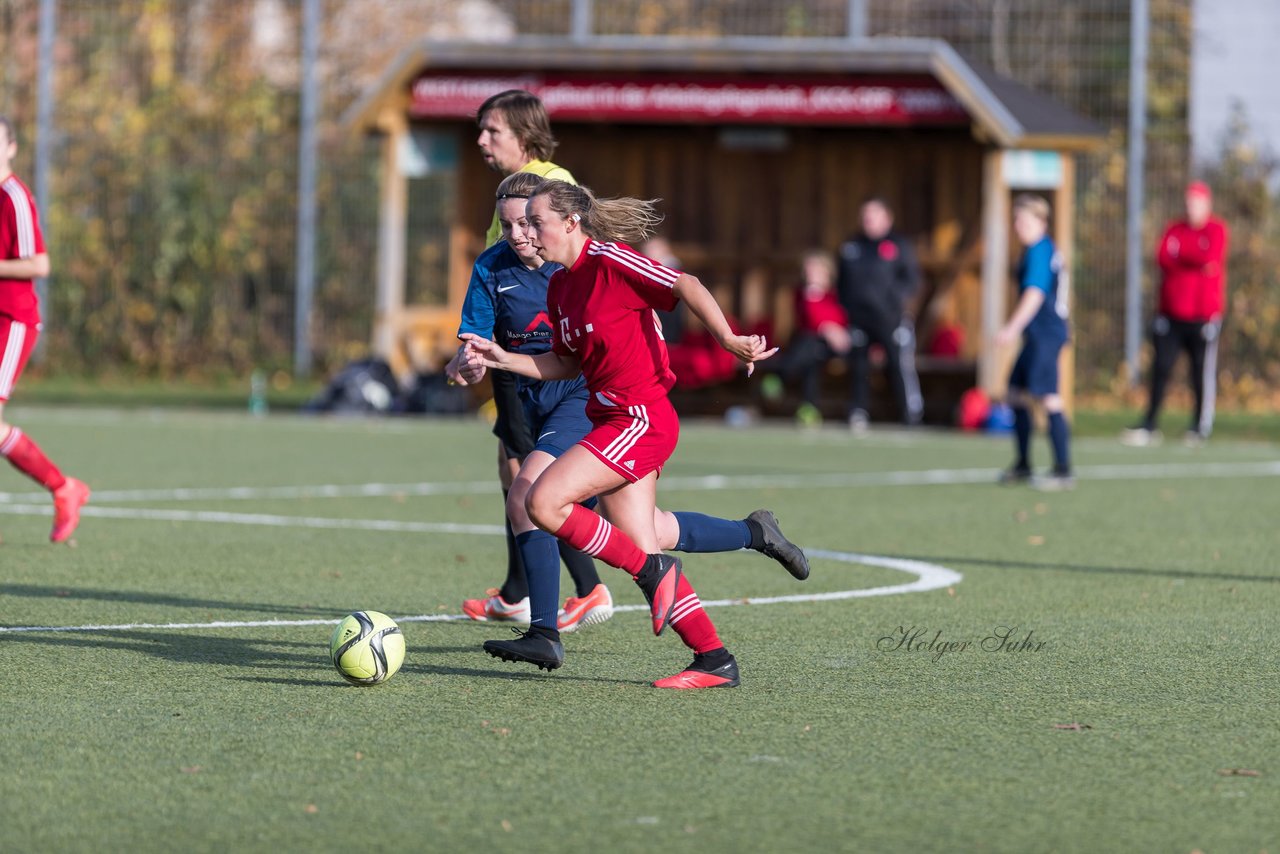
[(367, 647)]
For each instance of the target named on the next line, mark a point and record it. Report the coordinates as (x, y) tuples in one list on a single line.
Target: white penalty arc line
[(828, 480), (928, 576)]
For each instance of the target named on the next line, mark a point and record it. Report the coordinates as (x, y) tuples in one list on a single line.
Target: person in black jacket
[(878, 275)]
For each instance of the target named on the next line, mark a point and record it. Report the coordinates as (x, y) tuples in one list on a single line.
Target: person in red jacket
[(1192, 258)]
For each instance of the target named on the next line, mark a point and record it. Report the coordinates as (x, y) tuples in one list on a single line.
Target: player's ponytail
[(622, 220)]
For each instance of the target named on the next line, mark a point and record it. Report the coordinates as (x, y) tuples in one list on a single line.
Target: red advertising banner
[(701, 99)]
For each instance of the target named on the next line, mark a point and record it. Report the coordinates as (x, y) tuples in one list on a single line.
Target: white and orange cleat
[(595, 607), (494, 607), (67, 501)]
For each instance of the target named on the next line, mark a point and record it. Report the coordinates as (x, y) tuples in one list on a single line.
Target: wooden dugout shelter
[(759, 149)]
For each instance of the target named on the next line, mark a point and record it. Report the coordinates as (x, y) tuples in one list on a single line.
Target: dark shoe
[(535, 649), (660, 591), (699, 675), (778, 547), (1014, 476)]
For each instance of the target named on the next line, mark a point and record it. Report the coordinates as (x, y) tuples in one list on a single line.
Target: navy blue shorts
[(1036, 371), (562, 427)]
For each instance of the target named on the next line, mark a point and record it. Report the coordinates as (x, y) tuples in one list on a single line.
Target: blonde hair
[(518, 185), (1035, 205), (822, 257), (621, 220)]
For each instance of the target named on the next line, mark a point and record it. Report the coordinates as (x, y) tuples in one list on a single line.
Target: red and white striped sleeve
[(652, 282), (22, 226)]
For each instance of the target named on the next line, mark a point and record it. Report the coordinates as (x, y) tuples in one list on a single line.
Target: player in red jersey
[(602, 308), (22, 260)]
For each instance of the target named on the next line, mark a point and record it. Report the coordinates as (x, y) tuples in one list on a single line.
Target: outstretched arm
[(748, 348), (544, 366)]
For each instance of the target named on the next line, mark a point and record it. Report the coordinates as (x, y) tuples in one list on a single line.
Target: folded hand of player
[(749, 349), (482, 353), (453, 370)]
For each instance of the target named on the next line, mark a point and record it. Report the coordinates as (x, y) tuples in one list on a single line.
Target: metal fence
[(172, 200)]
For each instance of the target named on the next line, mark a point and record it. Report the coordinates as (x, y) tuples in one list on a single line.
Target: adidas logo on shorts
[(630, 464)]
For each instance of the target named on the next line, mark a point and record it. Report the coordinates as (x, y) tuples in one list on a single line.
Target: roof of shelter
[(1003, 111)]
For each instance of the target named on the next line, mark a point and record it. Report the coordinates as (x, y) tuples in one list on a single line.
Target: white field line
[(928, 576), (836, 480), (265, 519)]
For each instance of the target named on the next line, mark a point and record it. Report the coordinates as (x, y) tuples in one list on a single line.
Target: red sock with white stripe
[(589, 532), (26, 456), (690, 622)]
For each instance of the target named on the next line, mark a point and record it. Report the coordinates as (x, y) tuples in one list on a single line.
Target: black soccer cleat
[(778, 547), (1014, 476), (535, 649)]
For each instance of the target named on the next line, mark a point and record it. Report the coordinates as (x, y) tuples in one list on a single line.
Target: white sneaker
[(1194, 439), (859, 423), (1141, 437)]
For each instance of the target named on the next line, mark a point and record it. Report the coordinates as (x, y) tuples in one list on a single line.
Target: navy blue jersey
[(506, 302), (1041, 268)]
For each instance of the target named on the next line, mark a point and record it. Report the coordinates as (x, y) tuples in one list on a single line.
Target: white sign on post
[(1032, 170)]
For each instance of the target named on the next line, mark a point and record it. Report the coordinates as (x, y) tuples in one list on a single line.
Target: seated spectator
[(946, 340), (821, 333), (673, 322)]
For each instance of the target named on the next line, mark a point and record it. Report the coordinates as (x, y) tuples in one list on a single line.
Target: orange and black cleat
[(662, 602), (697, 676)]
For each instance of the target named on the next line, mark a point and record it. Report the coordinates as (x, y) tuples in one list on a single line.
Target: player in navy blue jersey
[(1040, 318), (507, 302)]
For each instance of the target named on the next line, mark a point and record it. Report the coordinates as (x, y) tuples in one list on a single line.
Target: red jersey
[(1193, 262), (813, 311), (602, 308), (20, 237)]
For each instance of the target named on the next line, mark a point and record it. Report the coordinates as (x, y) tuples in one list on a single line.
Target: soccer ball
[(367, 648)]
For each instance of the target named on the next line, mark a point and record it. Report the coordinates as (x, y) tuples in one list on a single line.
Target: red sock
[(26, 457), (690, 622), (589, 532)]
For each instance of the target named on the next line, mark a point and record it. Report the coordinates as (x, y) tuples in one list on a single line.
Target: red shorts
[(17, 340), (632, 440)]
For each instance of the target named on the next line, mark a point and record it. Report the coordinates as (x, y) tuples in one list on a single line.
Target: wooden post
[(1064, 219), (995, 261), (392, 225)]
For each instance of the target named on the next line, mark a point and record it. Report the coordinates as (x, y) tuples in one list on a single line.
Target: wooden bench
[(942, 383)]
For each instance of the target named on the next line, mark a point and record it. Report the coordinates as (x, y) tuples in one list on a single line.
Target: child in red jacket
[(821, 333)]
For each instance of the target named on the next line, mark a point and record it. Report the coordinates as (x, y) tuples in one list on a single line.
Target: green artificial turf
[(1141, 715)]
